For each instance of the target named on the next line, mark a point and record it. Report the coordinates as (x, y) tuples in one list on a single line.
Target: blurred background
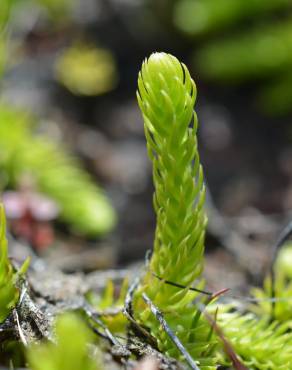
[(74, 172)]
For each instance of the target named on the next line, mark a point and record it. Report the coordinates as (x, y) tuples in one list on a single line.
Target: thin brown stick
[(170, 333)]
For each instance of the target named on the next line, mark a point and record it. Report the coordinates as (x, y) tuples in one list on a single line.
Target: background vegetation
[(74, 173)]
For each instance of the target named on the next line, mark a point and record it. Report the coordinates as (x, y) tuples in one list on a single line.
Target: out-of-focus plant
[(9, 291), (86, 70), (238, 41), (3, 53), (57, 12), (259, 53), (275, 98), (4, 14), (284, 262), (5, 10), (56, 173), (71, 350), (200, 17), (262, 53), (56, 8), (281, 308)]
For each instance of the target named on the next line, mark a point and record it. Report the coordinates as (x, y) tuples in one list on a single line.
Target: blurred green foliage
[(5, 9), (3, 53), (86, 70), (71, 350), (200, 17), (242, 41), (5, 12), (261, 52), (284, 261), (282, 307), (56, 9), (56, 173), (276, 97), (9, 292)]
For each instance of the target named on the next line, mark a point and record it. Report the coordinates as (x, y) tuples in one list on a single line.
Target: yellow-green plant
[(108, 302), (71, 350), (56, 173), (259, 343), (279, 306), (4, 14), (9, 291), (166, 98)]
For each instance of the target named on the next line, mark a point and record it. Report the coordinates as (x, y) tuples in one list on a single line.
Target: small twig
[(94, 317), (148, 256), (170, 333), (110, 312), (182, 286), (128, 312), (98, 332), (118, 349), (22, 294), (218, 294), (231, 297), (129, 296), (139, 329), (20, 332)]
